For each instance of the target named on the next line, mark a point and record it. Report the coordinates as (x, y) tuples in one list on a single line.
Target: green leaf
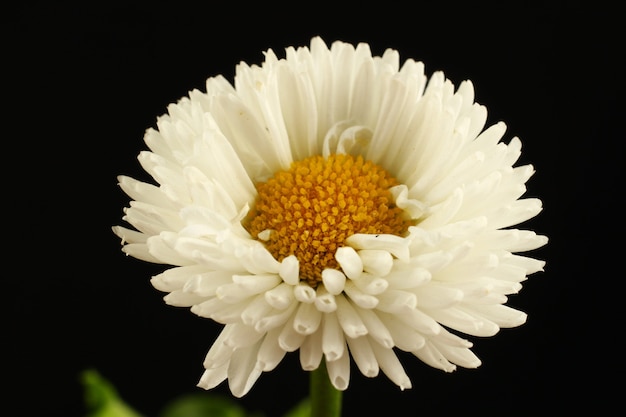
[(302, 409), (203, 405), (102, 399)]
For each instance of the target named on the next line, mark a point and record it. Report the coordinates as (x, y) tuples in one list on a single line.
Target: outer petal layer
[(450, 274)]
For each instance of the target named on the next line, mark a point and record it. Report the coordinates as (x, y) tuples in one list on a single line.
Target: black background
[(82, 83)]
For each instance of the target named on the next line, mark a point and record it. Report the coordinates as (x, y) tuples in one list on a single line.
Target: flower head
[(337, 204)]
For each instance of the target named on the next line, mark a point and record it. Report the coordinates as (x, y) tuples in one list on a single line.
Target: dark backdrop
[(82, 83)]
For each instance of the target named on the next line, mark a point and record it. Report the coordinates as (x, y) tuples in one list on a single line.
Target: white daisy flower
[(338, 204)]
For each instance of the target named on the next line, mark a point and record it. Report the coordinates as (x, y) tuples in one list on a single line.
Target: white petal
[(390, 365), (212, 377), (334, 280), (242, 370), (201, 251), (219, 354), (531, 265), (182, 299), (471, 269), (438, 296), (233, 293), (270, 353), (407, 278), (420, 321), (255, 310), (413, 207), (345, 138), (450, 339), (459, 355), (444, 211), (175, 278), (216, 157), (289, 270), (396, 301), (130, 236), (376, 329), (256, 284), (433, 261), (311, 351), (298, 106), (349, 320), (333, 342), (275, 319), (142, 191), (161, 249), (360, 298), (404, 337), (339, 371), (280, 297), (501, 315), (350, 262), (430, 355), (242, 336), (363, 355), (371, 284), (206, 284), (517, 212), (464, 322), (324, 300), (219, 310), (255, 258), (289, 338), (376, 262), (237, 123), (515, 240), (304, 293), (396, 245), (307, 319)]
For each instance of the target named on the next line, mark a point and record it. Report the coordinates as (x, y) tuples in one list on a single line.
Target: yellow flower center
[(310, 209)]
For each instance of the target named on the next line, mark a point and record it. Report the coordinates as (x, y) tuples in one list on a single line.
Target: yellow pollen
[(310, 210)]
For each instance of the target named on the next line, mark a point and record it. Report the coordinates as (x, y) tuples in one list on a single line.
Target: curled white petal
[(389, 363), (270, 353), (311, 351), (359, 297), (376, 329), (304, 293), (333, 341), (289, 270), (274, 319), (371, 284), (363, 355), (349, 320), (289, 338), (325, 301), (376, 262), (339, 371), (396, 245), (280, 297), (307, 319), (334, 280), (243, 371), (350, 262)]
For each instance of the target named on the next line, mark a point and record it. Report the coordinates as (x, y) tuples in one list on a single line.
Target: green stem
[(325, 398)]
